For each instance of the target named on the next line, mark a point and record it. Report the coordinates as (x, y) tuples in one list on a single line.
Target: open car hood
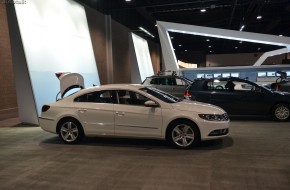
[(69, 81)]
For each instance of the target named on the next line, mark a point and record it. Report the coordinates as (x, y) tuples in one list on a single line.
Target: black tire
[(281, 112), (70, 131), (183, 134)]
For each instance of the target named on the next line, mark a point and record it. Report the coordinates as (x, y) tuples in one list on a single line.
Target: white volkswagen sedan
[(133, 111)]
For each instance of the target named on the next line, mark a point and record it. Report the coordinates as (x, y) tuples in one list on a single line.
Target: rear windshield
[(197, 85)]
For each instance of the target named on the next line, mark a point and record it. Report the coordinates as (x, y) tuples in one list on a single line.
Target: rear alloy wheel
[(281, 112), (70, 131), (184, 135)]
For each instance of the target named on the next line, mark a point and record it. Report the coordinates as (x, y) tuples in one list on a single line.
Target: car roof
[(113, 87)]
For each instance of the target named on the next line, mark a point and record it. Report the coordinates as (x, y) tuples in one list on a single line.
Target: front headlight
[(214, 117)]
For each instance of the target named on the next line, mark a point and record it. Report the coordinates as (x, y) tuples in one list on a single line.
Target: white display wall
[(143, 59), (55, 38)]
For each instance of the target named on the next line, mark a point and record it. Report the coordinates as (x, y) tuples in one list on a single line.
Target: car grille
[(219, 132)]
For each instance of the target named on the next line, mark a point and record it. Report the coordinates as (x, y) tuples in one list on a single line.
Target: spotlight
[(203, 10), (242, 27)]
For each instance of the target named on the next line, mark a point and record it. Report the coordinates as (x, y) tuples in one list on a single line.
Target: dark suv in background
[(240, 97), (172, 84)]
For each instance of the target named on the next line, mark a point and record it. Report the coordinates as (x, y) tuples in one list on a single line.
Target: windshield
[(165, 97), (187, 80)]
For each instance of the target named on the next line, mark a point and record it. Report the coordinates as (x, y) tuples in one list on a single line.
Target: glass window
[(226, 75), (216, 85), (235, 75), (241, 86), (271, 74), (165, 97), (180, 82), (149, 81), (98, 97), (261, 74), (200, 76), (154, 81), (217, 75), (167, 81), (131, 98), (208, 76), (229, 85)]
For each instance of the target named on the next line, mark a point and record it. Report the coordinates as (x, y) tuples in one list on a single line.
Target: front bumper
[(213, 129)]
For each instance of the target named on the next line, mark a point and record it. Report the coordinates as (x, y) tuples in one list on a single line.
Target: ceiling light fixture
[(242, 27), (259, 17), (240, 42), (180, 45), (207, 40), (203, 10), (209, 46), (128, 0), (146, 31), (185, 50)]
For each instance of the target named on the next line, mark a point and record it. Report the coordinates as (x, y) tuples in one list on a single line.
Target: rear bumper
[(47, 124)]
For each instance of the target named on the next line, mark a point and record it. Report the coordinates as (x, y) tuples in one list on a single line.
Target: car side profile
[(240, 97), (134, 111), (172, 84)]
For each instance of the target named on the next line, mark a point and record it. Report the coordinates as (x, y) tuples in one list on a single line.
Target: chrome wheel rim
[(69, 131), (183, 135), (282, 112)]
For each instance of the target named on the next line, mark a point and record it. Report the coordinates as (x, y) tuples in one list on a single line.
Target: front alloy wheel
[(281, 112), (70, 131), (184, 135)]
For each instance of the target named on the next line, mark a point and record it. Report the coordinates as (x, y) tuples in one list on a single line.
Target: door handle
[(120, 113)]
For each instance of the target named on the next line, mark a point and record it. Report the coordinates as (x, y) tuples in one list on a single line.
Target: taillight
[(187, 94), (45, 108)]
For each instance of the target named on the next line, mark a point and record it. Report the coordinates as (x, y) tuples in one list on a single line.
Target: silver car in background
[(172, 84)]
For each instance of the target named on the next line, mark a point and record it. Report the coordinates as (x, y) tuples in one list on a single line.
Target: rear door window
[(216, 85), (104, 96)]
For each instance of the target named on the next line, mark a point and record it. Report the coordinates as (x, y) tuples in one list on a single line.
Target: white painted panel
[(143, 57), (56, 38)]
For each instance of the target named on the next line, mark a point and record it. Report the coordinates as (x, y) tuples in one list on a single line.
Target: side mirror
[(150, 103)]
